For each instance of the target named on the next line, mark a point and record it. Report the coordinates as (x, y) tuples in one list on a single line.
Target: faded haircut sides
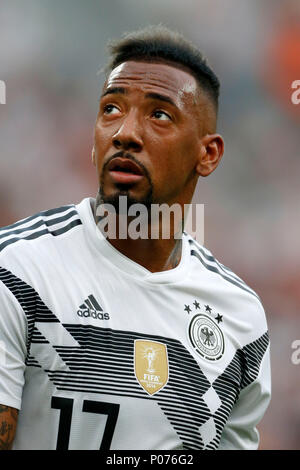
[(158, 43)]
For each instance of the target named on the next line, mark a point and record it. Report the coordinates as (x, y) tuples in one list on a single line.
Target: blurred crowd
[(49, 57)]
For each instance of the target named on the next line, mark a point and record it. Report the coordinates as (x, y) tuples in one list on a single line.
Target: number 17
[(65, 405)]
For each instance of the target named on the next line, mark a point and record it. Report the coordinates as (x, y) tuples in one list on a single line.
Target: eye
[(110, 109), (161, 115)]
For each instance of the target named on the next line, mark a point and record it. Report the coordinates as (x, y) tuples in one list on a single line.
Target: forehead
[(156, 77)]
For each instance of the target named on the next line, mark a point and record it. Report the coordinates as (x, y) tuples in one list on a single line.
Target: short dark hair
[(160, 43)]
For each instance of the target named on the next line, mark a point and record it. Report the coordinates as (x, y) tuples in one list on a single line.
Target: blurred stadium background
[(50, 53)]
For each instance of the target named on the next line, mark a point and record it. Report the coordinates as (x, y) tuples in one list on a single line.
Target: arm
[(8, 424), (13, 352)]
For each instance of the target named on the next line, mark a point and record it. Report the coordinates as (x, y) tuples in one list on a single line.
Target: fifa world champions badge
[(151, 365)]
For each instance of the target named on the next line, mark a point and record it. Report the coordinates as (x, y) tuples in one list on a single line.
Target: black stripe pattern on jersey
[(241, 372), (218, 268), (104, 364), (31, 361), (53, 222), (101, 361), (30, 301), (37, 337), (254, 353)]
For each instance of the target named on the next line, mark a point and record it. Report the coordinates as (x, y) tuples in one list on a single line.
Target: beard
[(124, 191)]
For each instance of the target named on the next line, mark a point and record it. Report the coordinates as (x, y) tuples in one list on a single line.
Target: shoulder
[(29, 244), (233, 291), (48, 223)]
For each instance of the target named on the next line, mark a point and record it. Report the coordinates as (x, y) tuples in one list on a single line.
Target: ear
[(211, 152), (93, 156)]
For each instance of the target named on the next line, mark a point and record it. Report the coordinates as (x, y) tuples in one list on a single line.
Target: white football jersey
[(97, 352)]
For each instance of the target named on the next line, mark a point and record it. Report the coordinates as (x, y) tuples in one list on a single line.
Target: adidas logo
[(91, 308)]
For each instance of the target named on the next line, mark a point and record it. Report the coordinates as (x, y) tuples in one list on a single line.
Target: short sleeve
[(13, 349), (240, 432)]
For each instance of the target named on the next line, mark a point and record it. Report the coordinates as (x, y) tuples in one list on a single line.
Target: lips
[(124, 165), (125, 171)]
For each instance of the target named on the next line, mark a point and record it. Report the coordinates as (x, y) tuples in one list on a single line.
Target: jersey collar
[(122, 262)]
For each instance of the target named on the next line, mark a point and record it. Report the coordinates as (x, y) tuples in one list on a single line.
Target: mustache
[(128, 156)]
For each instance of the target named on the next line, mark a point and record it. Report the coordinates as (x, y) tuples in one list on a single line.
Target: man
[(118, 342)]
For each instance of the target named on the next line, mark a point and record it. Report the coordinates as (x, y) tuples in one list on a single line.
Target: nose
[(128, 136)]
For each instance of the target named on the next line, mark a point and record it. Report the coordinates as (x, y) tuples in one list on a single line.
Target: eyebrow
[(153, 96), (158, 96), (113, 91)]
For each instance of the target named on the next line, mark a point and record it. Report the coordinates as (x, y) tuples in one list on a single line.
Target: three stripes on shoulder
[(53, 222), (213, 265)]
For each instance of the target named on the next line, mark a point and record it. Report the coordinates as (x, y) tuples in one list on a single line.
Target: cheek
[(176, 157), (102, 141), (188, 149), (100, 135), (168, 172)]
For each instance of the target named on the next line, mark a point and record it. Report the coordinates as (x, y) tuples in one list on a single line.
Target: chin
[(131, 198)]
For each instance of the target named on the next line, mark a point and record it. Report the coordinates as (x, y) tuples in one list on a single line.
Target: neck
[(155, 255)]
